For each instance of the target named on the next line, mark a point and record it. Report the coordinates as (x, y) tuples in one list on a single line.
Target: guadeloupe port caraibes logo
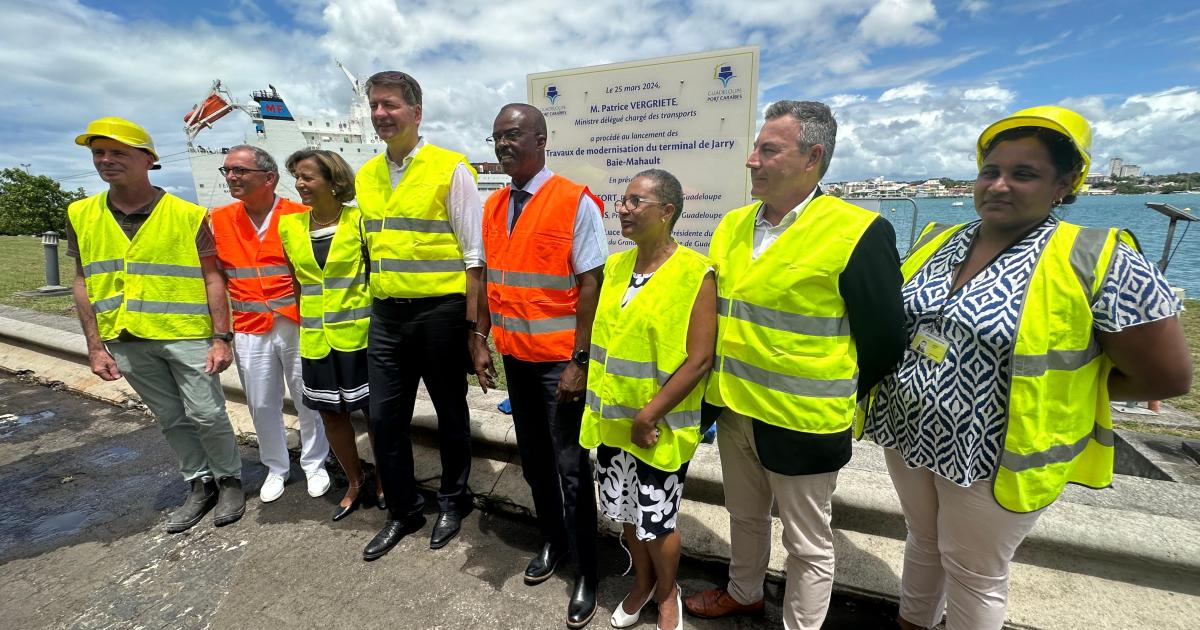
[(551, 93), (724, 72)]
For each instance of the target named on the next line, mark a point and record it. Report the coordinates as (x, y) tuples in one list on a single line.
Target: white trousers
[(804, 503), (266, 362), (960, 543)]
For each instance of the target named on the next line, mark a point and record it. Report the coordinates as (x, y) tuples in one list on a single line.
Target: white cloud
[(989, 93), (910, 92), (842, 100), (974, 7), (1158, 131), (893, 22), (1029, 49)]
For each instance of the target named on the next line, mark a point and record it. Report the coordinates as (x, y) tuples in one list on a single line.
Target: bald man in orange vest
[(545, 247)]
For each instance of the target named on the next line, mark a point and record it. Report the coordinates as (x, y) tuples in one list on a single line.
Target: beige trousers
[(804, 508), (960, 543)]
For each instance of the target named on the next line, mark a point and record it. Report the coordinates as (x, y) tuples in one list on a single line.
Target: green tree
[(32, 204)]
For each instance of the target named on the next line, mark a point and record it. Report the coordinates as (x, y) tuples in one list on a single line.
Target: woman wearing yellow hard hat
[(1021, 328)]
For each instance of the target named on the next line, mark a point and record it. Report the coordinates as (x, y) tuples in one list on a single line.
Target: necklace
[(317, 222)]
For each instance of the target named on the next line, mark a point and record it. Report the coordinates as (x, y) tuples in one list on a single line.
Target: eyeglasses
[(508, 135), (633, 201), (238, 171)]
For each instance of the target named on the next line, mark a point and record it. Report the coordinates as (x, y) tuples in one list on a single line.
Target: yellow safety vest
[(1058, 426), (785, 355), (413, 250), (151, 286), (335, 303), (635, 350)]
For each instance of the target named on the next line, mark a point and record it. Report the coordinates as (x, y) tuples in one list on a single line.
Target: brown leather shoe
[(716, 602)]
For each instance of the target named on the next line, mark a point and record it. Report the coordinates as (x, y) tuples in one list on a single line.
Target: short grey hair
[(262, 159), (668, 189), (817, 125)]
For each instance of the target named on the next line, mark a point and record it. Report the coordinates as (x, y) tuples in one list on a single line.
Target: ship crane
[(354, 82)]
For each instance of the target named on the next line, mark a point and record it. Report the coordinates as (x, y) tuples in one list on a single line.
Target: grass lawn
[(25, 256)]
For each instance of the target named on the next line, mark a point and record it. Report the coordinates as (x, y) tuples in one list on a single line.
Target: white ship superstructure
[(280, 133)]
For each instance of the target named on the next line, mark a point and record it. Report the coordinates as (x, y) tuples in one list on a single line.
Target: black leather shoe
[(542, 566), (583, 602), (392, 533), (445, 528), (199, 501), (361, 498)]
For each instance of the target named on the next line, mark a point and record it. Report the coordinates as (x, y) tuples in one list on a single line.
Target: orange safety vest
[(531, 286), (260, 282)]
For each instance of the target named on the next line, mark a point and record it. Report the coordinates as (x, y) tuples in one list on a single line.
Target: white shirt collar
[(536, 182), (761, 221), (408, 158)]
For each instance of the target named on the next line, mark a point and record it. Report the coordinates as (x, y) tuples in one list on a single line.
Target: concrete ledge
[(1148, 564)]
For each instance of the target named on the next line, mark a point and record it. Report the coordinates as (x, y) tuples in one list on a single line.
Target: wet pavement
[(85, 488)]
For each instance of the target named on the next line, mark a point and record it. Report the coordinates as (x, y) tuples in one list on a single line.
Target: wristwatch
[(581, 358), (225, 336), (471, 325)]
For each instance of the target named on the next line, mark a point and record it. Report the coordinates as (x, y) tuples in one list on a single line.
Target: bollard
[(50, 244)]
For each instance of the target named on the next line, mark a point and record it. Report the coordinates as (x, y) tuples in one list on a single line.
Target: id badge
[(930, 345)]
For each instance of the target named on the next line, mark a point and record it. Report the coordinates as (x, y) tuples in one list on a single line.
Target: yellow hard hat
[(118, 129), (1054, 118)]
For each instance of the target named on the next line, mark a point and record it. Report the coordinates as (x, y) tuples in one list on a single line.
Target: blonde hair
[(333, 168)]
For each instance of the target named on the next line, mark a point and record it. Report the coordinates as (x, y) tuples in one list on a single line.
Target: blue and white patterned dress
[(949, 417)]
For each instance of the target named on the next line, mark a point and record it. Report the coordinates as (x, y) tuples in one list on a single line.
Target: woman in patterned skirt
[(325, 251), (1021, 328), (652, 346)]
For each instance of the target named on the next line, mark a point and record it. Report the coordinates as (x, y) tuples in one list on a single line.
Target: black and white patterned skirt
[(336, 382), (632, 491)]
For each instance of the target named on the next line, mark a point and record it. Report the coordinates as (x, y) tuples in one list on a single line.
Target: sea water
[(1124, 211)]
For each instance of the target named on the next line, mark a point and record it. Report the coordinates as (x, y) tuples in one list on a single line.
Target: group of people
[(983, 363)]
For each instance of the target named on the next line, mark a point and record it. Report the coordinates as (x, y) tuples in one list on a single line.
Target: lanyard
[(939, 318)]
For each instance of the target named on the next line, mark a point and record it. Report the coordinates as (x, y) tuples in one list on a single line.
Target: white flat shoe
[(272, 488), (678, 606), (318, 483), (622, 619)]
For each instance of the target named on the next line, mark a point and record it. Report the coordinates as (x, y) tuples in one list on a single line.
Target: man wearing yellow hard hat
[(152, 304)]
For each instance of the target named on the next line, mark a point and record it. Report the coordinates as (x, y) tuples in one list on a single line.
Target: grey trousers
[(189, 404)]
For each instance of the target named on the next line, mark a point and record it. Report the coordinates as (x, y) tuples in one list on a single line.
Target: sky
[(911, 82)]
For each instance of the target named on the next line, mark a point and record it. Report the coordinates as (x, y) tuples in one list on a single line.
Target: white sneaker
[(318, 483), (272, 488)]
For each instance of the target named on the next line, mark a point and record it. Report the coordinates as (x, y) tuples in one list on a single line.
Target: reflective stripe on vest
[(784, 352), (530, 280), (1058, 424), (534, 326), (428, 226), (259, 280), (103, 266), (782, 320), (414, 252), (635, 350), (416, 266), (335, 303), (242, 273), (152, 285)]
